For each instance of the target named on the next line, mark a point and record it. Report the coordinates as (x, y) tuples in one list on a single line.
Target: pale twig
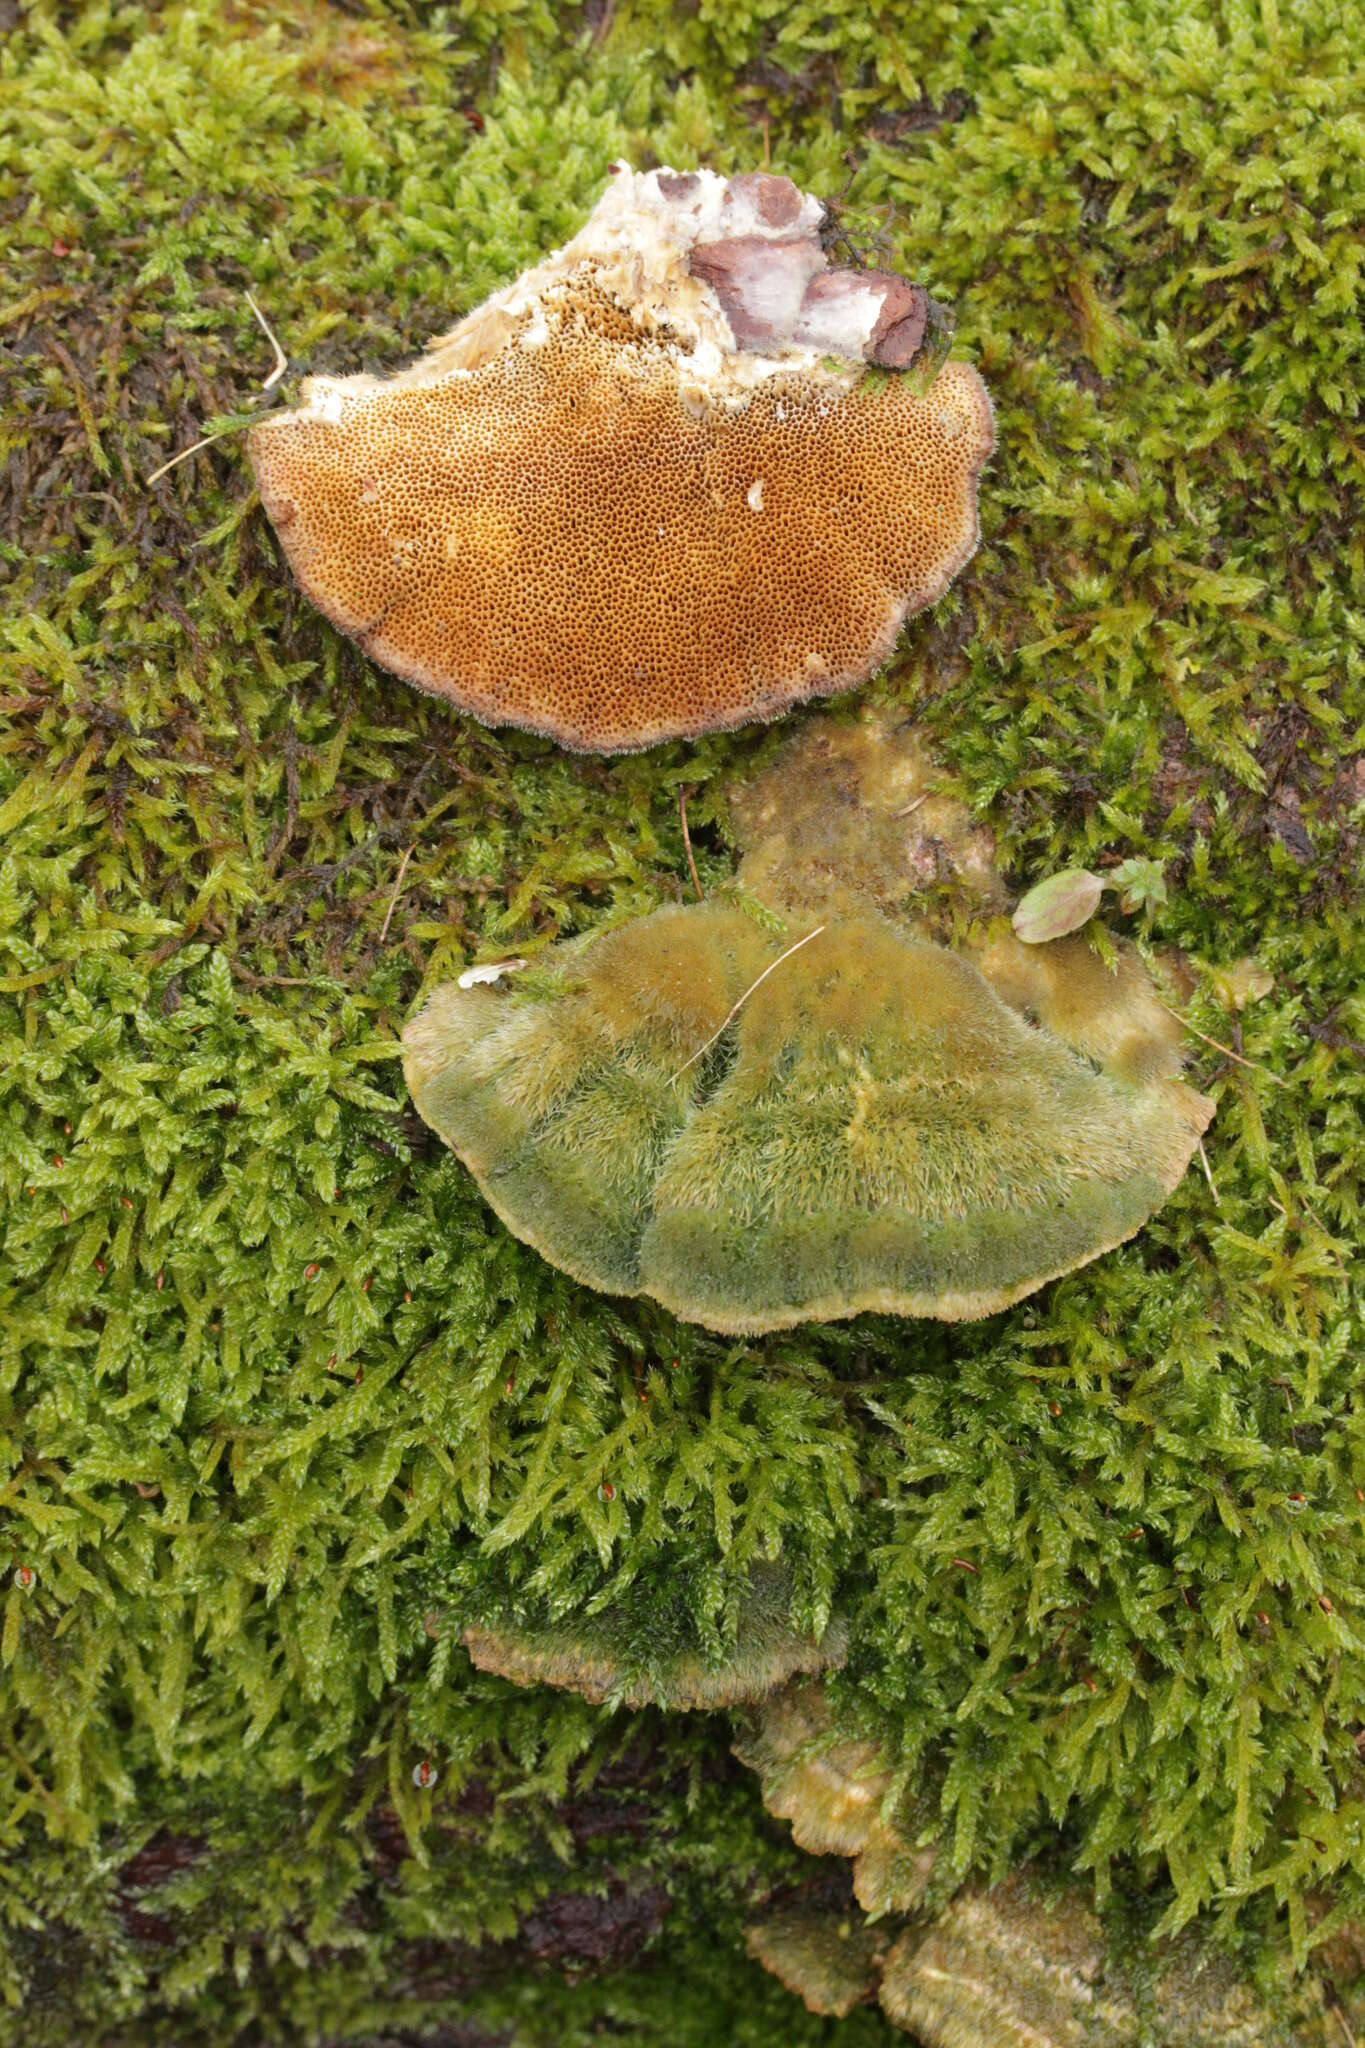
[(1208, 1172), (1331, 1242), (909, 809), (1226, 1050), (687, 843), (281, 365), (1345, 2026), (186, 453), (1313, 1215), (398, 883), (726, 1022), (281, 359)]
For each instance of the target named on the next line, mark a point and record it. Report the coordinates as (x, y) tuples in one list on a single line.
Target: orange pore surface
[(562, 539)]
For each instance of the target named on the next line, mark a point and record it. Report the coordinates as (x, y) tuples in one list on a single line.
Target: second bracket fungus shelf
[(647, 1650), (1024, 1963), (795, 1102), (684, 473)]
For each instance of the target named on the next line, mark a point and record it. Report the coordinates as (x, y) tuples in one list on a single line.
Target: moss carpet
[(282, 1407)]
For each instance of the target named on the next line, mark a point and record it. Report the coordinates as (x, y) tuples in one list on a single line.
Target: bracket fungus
[(759, 1128), (996, 1967), (1008, 1967), (835, 1793), (647, 1652), (1016, 1965), (832, 1961), (680, 475)]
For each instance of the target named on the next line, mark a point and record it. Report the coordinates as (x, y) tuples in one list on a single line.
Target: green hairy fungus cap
[(760, 1129), (876, 1129), (850, 816)]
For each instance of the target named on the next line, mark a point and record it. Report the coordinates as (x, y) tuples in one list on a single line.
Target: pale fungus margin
[(679, 476), (568, 1659)]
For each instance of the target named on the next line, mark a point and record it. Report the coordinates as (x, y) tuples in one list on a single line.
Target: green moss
[(275, 1386)]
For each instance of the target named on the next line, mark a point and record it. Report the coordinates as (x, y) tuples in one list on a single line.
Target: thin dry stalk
[(727, 1021), (186, 453), (281, 365), (398, 883), (1208, 1173), (1226, 1050), (687, 843), (281, 359)]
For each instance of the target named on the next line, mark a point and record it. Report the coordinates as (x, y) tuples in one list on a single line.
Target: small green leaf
[(1061, 904), (1141, 884)]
